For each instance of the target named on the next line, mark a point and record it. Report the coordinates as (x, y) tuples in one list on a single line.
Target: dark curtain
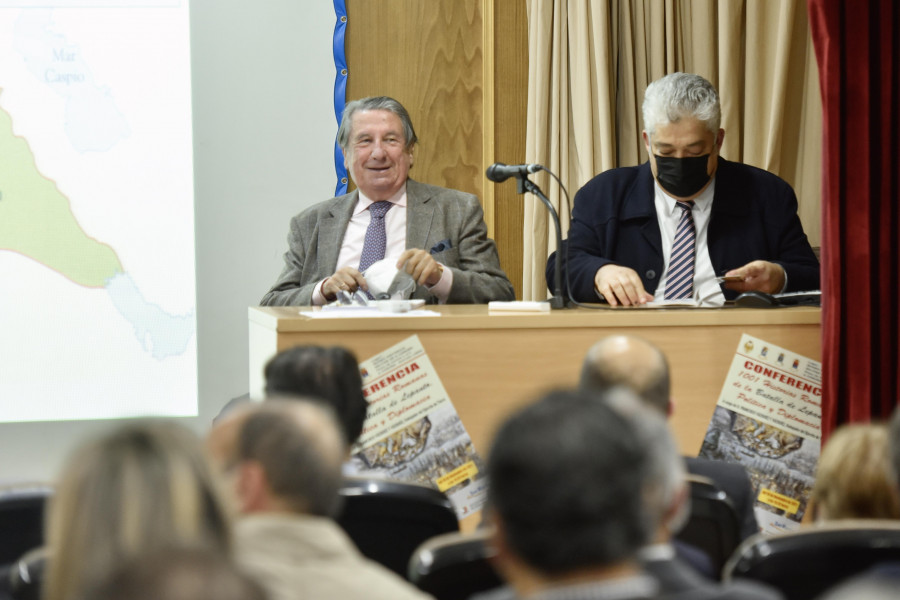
[(857, 47)]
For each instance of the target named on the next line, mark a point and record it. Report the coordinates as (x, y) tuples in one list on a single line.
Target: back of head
[(300, 449), (178, 574), (681, 95), (854, 479), (331, 374), (630, 362), (144, 486), (566, 478)]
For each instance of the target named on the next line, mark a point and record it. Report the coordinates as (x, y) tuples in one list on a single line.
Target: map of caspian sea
[(97, 293)]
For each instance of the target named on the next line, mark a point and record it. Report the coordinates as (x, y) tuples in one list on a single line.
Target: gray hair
[(665, 478), (375, 103), (681, 95)]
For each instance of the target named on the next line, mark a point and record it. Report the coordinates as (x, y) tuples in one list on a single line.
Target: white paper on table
[(364, 312), (519, 306)]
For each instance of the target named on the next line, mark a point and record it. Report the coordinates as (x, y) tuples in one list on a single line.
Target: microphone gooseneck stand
[(526, 185)]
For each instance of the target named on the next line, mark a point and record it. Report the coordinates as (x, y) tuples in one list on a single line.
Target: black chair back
[(805, 563), (454, 566), (388, 520), (713, 525), (26, 576), (21, 519)]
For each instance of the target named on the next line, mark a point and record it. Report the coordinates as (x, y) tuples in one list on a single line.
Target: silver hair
[(681, 95), (375, 103), (665, 477)]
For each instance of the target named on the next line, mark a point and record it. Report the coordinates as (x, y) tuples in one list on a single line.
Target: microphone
[(499, 172)]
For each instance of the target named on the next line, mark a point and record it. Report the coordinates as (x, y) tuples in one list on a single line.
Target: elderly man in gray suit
[(437, 235)]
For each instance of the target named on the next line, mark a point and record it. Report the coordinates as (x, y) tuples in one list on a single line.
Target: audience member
[(140, 488), (882, 581), (178, 574), (855, 479), (330, 374), (667, 498), (894, 444), (642, 367), (567, 477), (284, 459)]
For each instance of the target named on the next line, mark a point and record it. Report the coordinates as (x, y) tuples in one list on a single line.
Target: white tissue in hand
[(383, 277)]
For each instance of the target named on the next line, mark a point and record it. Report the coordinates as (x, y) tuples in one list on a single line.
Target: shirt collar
[(399, 199), (657, 552), (702, 203), (630, 588)]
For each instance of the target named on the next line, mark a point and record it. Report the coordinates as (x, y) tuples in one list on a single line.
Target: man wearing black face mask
[(667, 229)]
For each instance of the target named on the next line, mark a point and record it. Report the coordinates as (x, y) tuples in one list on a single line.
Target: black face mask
[(682, 177)]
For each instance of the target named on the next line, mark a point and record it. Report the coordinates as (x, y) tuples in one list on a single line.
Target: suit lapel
[(332, 227), (419, 215), (640, 205)]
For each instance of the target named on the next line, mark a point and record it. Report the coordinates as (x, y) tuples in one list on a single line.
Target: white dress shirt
[(395, 231), (706, 291)]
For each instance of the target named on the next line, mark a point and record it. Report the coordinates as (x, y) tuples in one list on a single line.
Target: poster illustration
[(768, 418), (412, 431)]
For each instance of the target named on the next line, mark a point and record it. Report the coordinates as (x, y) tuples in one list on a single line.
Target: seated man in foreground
[(567, 479), (586, 492), (436, 235), (643, 368), (668, 229), (284, 461)]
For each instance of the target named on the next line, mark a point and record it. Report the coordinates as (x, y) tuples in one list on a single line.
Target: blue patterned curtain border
[(340, 89)]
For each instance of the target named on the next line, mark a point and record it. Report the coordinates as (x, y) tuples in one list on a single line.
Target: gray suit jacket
[(433, 215)]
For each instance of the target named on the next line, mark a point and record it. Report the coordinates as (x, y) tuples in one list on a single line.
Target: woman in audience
[(329, 374), (142, 487), (854, 479)]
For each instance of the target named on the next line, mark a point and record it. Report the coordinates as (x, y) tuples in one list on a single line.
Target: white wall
[(264, 129)]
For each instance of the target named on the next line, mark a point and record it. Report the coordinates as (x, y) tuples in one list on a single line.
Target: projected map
[(97, 293)]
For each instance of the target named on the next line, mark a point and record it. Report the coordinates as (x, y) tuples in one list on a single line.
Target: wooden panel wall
[(427, 55), (507, 43), (431, 57)]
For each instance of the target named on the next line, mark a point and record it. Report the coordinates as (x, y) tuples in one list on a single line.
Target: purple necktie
[(680, 278), (376, 238)]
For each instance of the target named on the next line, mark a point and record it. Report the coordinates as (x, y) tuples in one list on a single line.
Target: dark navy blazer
[(754, 217)]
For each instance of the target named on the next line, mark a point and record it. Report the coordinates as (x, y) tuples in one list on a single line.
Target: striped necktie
[(680, 277), (375, 242)]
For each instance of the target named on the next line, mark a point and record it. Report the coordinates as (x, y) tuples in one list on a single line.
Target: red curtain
[(857, 47)]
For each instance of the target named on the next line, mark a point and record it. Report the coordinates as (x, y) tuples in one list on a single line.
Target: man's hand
[(421, 266), (759, 275), (347, 279), (620, 285)]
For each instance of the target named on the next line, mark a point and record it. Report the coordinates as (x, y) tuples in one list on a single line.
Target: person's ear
[(678, 513), (497, 539), (720, 137), (251, 486)]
